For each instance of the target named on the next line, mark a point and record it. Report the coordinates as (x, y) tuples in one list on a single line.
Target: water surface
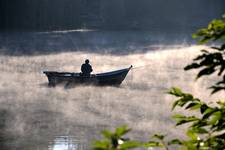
[(36, 117)]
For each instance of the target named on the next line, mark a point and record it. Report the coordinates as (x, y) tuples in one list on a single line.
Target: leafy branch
[(213, 60), (205, 131)]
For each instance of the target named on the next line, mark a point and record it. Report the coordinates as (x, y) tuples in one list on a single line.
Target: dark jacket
[(86, 69)]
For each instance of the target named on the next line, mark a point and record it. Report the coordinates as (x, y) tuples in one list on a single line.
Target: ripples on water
[(66, 143), (35, 117)]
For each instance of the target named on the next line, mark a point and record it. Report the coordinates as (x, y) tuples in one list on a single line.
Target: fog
[(152, 35), (34, 114)]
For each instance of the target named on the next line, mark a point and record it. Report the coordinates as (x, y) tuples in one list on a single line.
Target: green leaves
[(211, 61), (215, 117), (101, 145), (204, 130), (130, 145), (158, 136), (176, 92), (115, 140), (181, 119), (192, 134), (210, 122), (214, 31), (122, 131), (175, 142), (193, 106), (184, 99), (152, 144)]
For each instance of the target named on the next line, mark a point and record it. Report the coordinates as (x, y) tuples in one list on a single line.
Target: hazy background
[(59, 35), (33, 116)]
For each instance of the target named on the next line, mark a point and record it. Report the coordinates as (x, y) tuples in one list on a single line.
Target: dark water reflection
[(110, 42)]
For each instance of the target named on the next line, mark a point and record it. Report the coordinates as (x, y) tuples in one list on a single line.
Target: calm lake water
[(66, 143), (35, 117)]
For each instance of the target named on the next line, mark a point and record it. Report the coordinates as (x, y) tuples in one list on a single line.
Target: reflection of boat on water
[(109, 78)]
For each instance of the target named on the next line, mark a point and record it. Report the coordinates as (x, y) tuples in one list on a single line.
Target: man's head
[(86, 61)]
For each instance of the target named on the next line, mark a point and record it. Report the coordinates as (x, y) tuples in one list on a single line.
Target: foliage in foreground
[(211, 61), (205, 131)]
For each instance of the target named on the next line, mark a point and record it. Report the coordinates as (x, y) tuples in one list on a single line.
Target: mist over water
[(34, 116), (153, 36)]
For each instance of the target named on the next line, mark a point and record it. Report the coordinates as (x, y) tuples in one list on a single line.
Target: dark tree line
[(39, 14), (106, 14)]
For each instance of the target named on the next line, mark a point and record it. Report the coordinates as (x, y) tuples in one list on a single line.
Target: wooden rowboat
[(69, 78)]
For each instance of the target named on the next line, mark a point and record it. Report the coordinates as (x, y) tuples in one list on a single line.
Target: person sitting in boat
[(86, 68)]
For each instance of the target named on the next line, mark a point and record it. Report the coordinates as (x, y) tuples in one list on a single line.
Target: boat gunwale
[(73, 74)]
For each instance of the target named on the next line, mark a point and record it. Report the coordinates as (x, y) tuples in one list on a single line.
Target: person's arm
[(91, 68), (82, 68)]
